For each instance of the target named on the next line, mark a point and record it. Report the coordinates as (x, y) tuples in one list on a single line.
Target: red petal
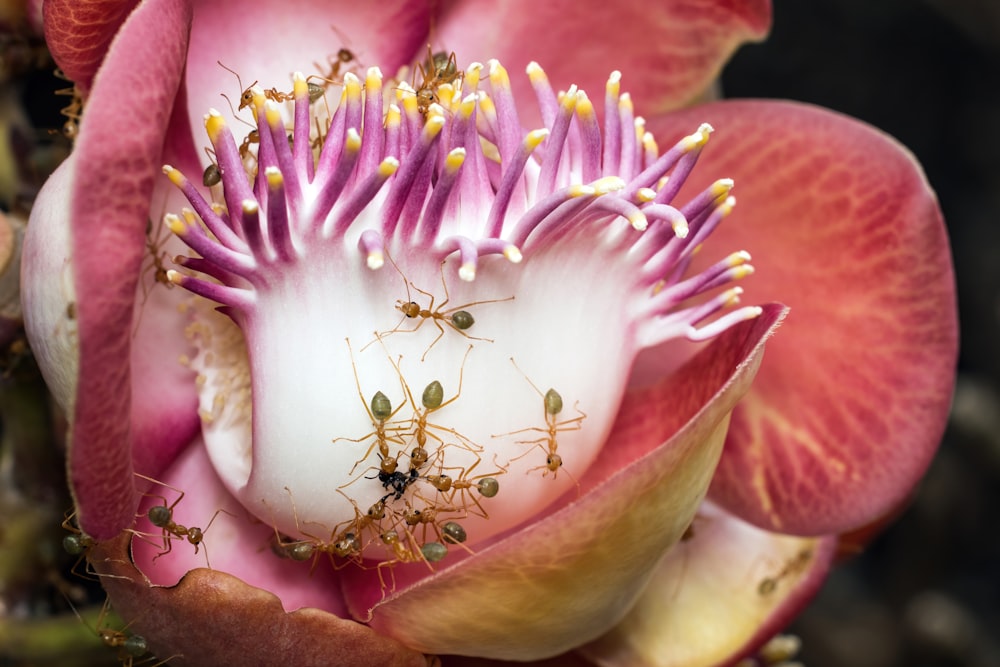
[(717, 596), (78, 33), (849, 408), (117, 157), (572, 574), (668, 51)]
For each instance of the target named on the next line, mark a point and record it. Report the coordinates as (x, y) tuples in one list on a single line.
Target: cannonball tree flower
[(276, 374)]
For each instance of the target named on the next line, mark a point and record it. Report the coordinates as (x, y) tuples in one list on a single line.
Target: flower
[(564, 559)]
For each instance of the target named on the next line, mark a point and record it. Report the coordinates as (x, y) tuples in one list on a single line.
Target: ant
[(439, 69), (380, 412), (73, 111), (343, 543), (432, 400), (457, 318), (130, 646), (486, 485), (344, 57), (793, 566), (552, 403), (162, 516), (246, 97), (77, 543)]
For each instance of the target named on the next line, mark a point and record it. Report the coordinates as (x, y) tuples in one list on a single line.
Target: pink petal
[(572, 574), (843, 227), (78, 33), (669, 51), (212, 618), (234, 542), (117, 157), (269, 41), (718, 596)]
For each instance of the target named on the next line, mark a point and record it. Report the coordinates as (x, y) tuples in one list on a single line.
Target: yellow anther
[(467, 272), (649, 144), (680, 227), (487, 107), (272, 114), (175, 176), (433, 126), (741, 272), (584, 107), (534, 138), (614, 85), (353, 142), (513, 254), (174, 276), (603, 186), (174, 224), (738, 258), (625, 103), (258, 97), (581, 191), (569, 100), (392, 117), (638, 220), (249, 206), (498, 75), (190, 217), (352, 87), (274, 178), (645, 195), (373, 81), (721, 187), (300, 87), (731, 297), (698, 139), (388, 167), (471, 79), (536, 73), (467, 106), (214, 125), (376, 260), (454, 160), (726, 207)]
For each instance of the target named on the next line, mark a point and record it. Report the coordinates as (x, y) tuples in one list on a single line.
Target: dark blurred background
[(926, 593)]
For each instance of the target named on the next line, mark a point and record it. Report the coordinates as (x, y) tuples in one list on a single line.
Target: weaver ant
[(793, 566), (162, 516)]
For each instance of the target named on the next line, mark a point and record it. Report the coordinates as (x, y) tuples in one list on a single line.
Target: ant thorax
[(412, 331)]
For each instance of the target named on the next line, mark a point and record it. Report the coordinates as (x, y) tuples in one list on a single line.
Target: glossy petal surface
[(849, 408)]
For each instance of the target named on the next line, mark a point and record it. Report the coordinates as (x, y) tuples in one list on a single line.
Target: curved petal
[(47, 290), (301, 35), (668, 51), (849, 409), (212, 618), (233, 542), (571, 575), (78, 33), (117, 156), (717, 596)]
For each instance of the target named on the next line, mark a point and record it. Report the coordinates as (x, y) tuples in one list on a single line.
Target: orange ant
[(552, 403), (158, 255), (400, 553), (162, 516), (457, 318), (344, 542), (486, 485), (380, 413), (344, 57), (793, 566), (73, 111), (433, 400), (246, 97), (439, 69)]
